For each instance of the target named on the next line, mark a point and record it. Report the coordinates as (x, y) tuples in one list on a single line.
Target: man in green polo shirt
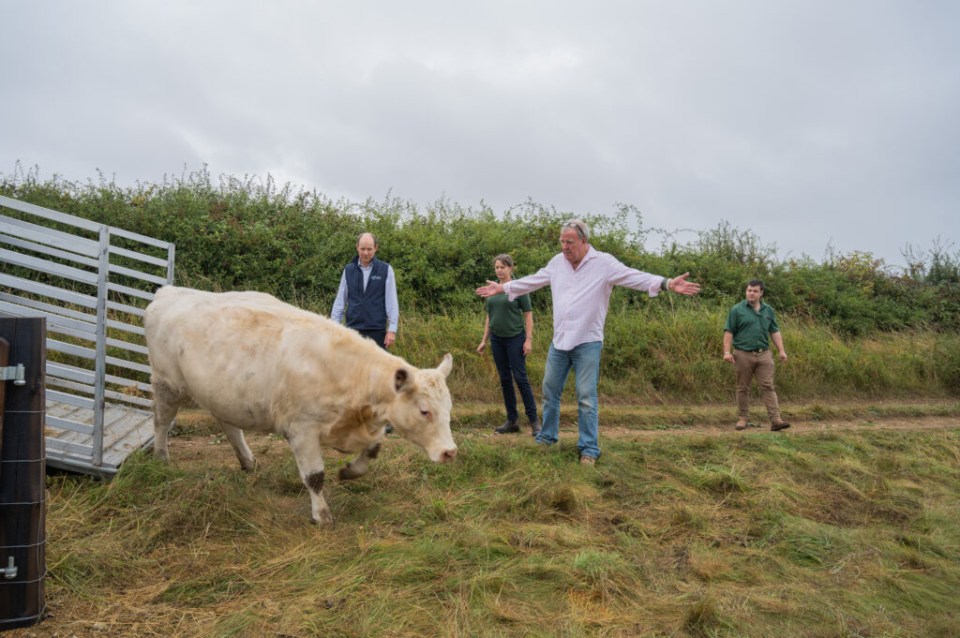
[(746, 344)]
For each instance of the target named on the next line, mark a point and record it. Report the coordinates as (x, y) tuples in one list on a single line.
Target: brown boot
[(510, 426), (535, 426)]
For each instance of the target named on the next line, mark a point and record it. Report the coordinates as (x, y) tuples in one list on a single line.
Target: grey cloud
[(812, 123)]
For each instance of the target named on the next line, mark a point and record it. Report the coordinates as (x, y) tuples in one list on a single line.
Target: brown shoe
[(782, 425), (510, 426), (587, 460), (535, 427), (741, 425)]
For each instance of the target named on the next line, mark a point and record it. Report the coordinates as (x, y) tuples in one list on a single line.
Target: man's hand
[(681, 286), (492, 288), (389, 339)]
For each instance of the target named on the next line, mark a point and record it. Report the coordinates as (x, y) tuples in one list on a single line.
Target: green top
[(506, 317), (751, 329)]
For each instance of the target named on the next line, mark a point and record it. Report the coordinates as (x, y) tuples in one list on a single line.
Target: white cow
[(259, 364)]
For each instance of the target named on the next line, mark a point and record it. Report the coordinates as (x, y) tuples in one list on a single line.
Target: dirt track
[(806, 427), (799, 427), (568, 430)]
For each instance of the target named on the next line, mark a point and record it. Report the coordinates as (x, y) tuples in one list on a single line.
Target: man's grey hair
[(583, 231)]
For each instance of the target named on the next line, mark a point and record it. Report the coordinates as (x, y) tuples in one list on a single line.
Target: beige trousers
[(755, 364)]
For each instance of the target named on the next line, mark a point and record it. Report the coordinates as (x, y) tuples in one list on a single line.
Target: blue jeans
[(585, 362), (512, 366)]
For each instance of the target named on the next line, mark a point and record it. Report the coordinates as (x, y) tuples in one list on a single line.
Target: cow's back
[(181, 324), (241, 355)]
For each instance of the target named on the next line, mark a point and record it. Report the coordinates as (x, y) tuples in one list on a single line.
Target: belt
[(757, 351)]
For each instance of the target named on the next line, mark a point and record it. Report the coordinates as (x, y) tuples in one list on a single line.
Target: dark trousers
[(376, 335), (512, 367)]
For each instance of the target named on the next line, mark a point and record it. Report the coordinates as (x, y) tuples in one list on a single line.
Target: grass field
[(846, 525)]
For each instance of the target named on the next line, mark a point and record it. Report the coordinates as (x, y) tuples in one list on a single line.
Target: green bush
[(253, 234)]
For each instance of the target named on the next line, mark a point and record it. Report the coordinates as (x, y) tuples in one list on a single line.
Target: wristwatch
[(665, 284)]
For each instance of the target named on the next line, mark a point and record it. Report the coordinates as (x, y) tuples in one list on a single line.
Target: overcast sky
[(815, 124)]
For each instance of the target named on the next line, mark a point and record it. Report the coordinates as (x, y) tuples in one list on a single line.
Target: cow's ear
[(401, 380), (446, 365)]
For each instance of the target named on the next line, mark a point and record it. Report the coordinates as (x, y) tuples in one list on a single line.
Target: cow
[(259, 364)]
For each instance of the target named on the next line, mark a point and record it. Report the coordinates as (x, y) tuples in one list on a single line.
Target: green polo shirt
[(751, 329), (506, 317)]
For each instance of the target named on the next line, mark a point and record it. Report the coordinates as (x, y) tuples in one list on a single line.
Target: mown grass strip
[(819, 534)]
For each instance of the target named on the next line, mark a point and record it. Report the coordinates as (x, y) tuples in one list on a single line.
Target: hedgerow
[(251, 233)]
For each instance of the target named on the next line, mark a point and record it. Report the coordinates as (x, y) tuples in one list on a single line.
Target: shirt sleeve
[(341, 301), (527, 284), (774, 326), (525, 304), (731, 324), (393, 307), (619, 274)]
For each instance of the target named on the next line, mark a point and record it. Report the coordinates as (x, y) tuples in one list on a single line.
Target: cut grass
[(810, 533)]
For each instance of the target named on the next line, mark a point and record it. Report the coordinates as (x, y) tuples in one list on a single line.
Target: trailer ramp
[(91, 282)]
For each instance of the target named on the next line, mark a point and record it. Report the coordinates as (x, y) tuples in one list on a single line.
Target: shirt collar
[(356, 260), (591, 254)]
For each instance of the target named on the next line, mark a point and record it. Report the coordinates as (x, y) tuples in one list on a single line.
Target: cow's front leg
[(309, 458), (359, 466)]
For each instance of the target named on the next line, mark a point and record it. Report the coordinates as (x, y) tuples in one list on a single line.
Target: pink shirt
[(581, 296)]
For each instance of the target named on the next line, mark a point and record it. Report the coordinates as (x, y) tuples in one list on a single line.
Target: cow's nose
[(448, 455)]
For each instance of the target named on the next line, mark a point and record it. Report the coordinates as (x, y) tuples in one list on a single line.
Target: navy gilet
[(367, 309)]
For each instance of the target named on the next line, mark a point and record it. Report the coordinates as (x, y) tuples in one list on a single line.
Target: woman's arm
[(486, 333), (528, 322)]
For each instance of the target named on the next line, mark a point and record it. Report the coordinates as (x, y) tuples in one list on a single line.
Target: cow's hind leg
[(166, 404), (309, 458), (239, 443), (360, 465)]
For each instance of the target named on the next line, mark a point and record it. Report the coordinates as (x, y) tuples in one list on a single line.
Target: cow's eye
[(425, 413)]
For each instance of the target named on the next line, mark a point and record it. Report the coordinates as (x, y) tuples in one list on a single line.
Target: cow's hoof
[(325, 520), (346, 473)]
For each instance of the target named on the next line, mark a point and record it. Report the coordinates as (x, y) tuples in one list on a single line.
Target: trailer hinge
[(13, 373)]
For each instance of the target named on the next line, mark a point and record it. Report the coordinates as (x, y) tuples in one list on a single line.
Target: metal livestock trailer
[(92, 283)]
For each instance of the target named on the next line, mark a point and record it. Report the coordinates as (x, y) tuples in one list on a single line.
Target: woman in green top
[(509, 327)]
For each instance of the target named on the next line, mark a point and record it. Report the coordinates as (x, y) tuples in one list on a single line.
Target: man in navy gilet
[(368, 292)]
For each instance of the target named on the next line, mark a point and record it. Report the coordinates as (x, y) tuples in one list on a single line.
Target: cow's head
[(421, 410)]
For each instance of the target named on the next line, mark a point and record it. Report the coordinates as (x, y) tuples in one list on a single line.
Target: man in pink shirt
[(581, 279)]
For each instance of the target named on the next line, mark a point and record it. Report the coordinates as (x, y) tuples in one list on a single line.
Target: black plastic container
[(22, 475)]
